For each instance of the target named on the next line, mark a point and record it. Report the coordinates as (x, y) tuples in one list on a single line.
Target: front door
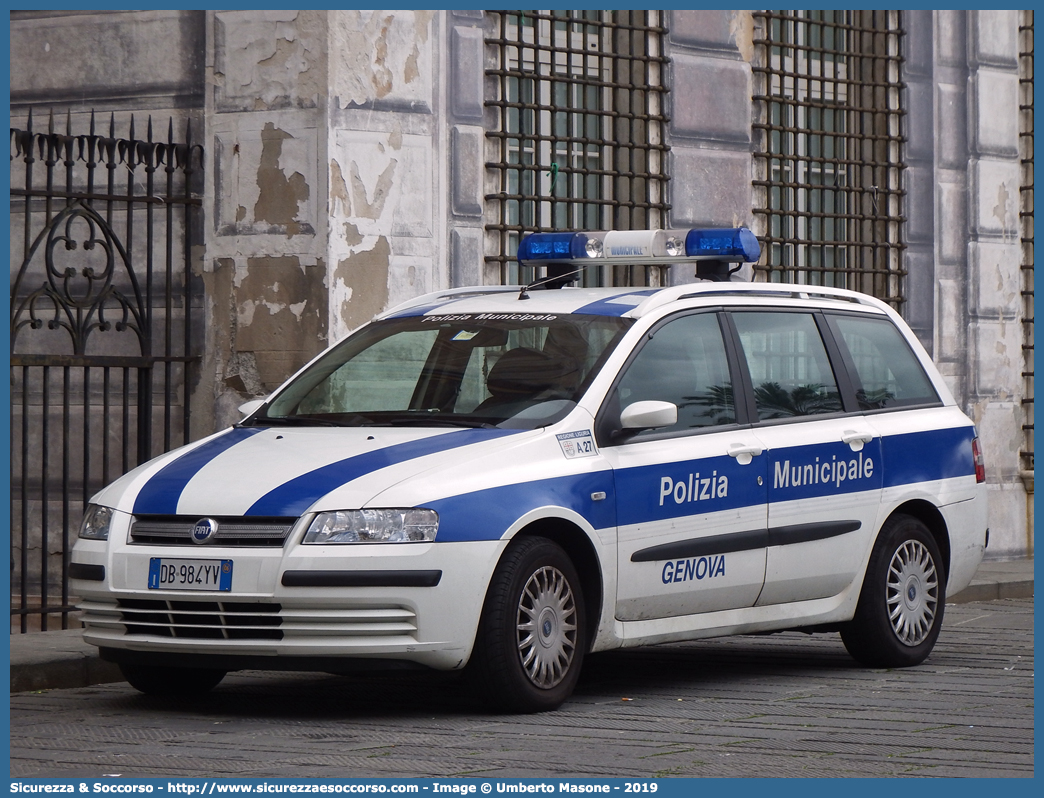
[(691, 498)]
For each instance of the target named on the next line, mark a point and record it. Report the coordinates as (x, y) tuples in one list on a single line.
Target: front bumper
[(291, 608)]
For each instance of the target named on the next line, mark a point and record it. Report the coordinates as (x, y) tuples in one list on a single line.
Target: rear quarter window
[(788, 364), (887, 373)]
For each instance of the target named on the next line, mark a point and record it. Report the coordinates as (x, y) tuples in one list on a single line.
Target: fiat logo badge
[(204, 530)]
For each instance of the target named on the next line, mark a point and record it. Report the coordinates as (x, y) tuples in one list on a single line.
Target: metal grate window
[(579, 137), (1026, 219), (828, 149)]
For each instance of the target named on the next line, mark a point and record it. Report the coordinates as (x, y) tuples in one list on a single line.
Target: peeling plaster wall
[(326, 177), (384, 163), (383, 58), (268, 300), (268, 60)]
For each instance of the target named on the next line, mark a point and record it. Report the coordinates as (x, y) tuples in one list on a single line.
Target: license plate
[(169, 574)]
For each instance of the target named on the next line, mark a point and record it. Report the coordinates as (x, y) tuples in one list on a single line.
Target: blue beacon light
[(554, 247), (735, 245)]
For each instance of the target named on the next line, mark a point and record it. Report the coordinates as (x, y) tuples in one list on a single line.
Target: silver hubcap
[(546, 627), (913, 592)]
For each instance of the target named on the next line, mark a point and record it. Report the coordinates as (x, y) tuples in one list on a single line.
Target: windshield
[(516, 371)]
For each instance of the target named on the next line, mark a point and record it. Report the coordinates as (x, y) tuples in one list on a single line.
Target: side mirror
[(249, 407), (648, 415)]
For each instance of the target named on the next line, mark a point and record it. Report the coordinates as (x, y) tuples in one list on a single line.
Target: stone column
[(266, 228), (995, 307), (710, 113), (324, 184)]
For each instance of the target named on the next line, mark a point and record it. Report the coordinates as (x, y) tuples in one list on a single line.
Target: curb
[(990, 591), (82, 671)]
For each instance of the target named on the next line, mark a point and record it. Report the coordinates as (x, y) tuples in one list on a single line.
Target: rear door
[(824, 458)]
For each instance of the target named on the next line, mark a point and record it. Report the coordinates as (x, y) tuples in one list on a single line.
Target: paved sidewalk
[(56, 660)]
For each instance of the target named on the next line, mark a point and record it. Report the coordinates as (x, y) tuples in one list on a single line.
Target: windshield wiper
[(428, 421), (292, 421)]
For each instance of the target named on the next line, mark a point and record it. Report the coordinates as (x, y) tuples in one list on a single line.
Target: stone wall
[(994, 385), (963, 233)]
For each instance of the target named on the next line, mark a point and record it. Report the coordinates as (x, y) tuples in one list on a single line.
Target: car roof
[(632, 302)]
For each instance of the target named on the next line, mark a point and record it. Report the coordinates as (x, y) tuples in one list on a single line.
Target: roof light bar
[(735, 245)]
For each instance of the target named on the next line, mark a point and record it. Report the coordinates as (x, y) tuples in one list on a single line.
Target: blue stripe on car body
[(296, 496), (951, 456), (160, 495), (485, 514), (724, 484), (609, 307)]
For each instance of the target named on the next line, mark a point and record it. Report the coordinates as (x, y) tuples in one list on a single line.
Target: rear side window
[(887, 373), (788, 364)]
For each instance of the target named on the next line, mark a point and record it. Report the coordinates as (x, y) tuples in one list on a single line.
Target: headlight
[(96, 522), (410, 525)]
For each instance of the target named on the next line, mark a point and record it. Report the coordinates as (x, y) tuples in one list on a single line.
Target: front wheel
[(533, 632), (171, 682), (901, 605)]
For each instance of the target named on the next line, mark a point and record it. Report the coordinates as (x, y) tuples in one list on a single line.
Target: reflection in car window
[(788, 364), (684, 363), (467, 370), (887, 372)]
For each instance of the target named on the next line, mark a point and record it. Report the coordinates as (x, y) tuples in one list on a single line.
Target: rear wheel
[(901, 604), (171, 682), (533, 632)]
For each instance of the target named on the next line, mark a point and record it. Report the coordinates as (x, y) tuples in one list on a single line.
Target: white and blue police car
[(505, 479)]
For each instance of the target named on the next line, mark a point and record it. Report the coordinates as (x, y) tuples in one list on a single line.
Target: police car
[(505, 479)]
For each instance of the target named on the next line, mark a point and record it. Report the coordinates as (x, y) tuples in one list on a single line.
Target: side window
[(788, 364), (684, 363), (887, 371)]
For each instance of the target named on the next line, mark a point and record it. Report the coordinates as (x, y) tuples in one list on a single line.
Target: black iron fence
[(105, 334)]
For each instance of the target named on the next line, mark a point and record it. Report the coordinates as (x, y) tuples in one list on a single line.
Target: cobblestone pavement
[(778, 705)]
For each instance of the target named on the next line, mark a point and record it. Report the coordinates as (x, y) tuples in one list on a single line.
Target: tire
[(171, 682), (533, 632), (901, 605)]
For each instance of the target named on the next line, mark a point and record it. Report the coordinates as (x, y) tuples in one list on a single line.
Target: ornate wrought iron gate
[(104, 338)]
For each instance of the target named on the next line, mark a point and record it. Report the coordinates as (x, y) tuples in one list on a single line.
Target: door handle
[(856, 439), (743, 452)]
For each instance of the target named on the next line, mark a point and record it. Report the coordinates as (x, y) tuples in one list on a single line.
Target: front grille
[(201, 620), (167, 530), (241, 620)]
